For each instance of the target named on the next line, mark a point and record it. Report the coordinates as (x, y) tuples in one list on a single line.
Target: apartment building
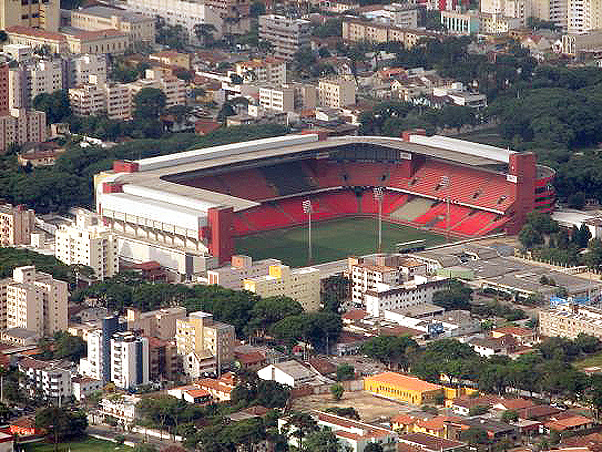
[(551, 10), (4, 89), (28, 80), (130, 364), (336, 93), (400, 15), (233, 9), (22, 126), (42, 14), (301, 284), (160, 323), (138, 27), (172, 58), (83, 67), (114, 99), (356, 30), (204, 343), (241, 267), (48, 379), (415, 292), (87, 242), (164, 362), (16, 225), (267, 70), (35, 302), (287, 35), (514, 9), (97, 364), (460, 23), (277, 99), (123, 407), (570, 320), (180, 12), (575, 43), (173, 88)]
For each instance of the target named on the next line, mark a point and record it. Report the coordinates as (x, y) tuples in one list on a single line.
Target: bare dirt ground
[(369, 407)]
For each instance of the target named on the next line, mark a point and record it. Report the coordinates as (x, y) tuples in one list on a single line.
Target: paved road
[(137, 438)]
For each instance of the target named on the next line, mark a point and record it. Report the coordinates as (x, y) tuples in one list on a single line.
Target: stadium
[(202, 200)]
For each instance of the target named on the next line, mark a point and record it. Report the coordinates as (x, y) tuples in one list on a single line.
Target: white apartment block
[(118, 101), (336, 93), (287, 35), (179, 12), (45, 378), (85, 66), (87, 242), (36, 302), (92, 365), (88, 100), (301, 284), (570, 320), (173, 88), (129, 360), (415, 292), (277, 99), (25, 82), (122, 407), (268, 70), (584, 15), (514, 9), (388, 270), (16, 225), (241, 267)]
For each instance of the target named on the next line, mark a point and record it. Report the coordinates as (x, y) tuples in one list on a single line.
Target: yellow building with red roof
[(404, 388)]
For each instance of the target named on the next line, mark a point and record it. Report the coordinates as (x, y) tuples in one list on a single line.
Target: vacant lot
[(592, 361), (331, 240), (369, 407)]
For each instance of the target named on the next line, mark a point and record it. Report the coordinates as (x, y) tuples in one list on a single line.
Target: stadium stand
[(412, 209), (474, 223), (288, 178)]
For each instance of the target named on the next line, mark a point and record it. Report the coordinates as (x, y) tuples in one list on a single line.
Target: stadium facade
[(184, 210)]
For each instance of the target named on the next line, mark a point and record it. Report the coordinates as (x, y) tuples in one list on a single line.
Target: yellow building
[(42, 14), (403, 387), (301, 284)]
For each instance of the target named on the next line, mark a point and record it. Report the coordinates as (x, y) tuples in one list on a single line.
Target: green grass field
[(88, 445), (332, 240), (592, 361)]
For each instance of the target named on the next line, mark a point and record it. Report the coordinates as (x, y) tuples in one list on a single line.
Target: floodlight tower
[(445, 183), (308, 209), (378, 197)]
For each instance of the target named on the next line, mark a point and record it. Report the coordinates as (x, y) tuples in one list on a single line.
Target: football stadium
[(207, 200)]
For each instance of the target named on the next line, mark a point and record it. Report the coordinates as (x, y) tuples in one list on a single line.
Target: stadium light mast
[(378, 196), (308, 209), (445, 183)]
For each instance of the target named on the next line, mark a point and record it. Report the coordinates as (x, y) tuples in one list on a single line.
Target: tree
[(576, 200), (337, 391), (204, 33), (149, 104), (56, 106), (457, 295), (593, 258), (69, 346), (322, 441), (474, 436), (268, 311), (60, 423), (145, 447), (509, 416), (300, 425), (226, 110), (345, 372), (529, 236), (391, 350)]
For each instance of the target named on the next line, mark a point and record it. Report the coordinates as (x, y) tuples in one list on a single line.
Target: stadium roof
[(157, 178)]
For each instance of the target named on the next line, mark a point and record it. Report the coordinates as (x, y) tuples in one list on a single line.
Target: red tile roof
[(35, 32)]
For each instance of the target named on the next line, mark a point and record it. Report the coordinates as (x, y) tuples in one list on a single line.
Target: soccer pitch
[(331, 240)]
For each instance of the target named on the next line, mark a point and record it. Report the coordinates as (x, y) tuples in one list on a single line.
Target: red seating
[(474, 223), (456, 214), (393, 201), (432, 214)]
